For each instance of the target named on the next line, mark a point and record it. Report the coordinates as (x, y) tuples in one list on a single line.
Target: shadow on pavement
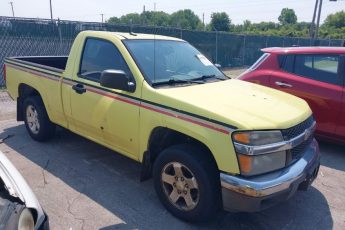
[(332, 155), (112, 181)]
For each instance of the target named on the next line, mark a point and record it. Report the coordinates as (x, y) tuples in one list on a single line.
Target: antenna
[(154, 42), (131, 28)]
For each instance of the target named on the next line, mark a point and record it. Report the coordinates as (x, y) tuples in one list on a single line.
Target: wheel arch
[(25, 91), (163, 137)]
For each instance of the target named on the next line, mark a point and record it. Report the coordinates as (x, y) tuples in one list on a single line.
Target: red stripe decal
[(33, 72), (131, 102)]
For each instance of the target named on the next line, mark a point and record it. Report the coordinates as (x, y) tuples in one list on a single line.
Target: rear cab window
[(99, 55)]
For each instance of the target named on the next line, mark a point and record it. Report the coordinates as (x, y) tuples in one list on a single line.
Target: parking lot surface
[(82, 185)]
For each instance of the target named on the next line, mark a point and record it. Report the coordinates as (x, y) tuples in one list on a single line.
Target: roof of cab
[(124, 36), (305, 50)]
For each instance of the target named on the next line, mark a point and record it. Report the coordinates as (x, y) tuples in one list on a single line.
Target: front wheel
[(187, 183), (36, 119)]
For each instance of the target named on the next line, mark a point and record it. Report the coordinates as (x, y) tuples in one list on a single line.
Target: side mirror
[(116, 79), (218, 65)]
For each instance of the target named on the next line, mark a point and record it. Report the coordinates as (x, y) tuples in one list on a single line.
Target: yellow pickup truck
[(209, 141)]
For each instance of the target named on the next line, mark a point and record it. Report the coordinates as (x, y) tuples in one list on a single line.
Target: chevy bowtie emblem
[(307, 134)]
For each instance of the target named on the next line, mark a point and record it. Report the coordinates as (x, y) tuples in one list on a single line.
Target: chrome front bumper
[(260, 192)]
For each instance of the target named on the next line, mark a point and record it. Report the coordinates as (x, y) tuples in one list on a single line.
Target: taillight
[(4, 72)]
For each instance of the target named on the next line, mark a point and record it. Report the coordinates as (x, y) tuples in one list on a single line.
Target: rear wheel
[(36, 119), (187, 183)]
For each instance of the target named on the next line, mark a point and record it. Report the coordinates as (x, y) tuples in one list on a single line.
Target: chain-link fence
[(30, 37)]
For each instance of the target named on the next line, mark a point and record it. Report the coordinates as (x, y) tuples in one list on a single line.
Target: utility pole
[(314, 30), (154, 7), (203, 20), (11, 3), (102, 17), (312, 26), (51, 10), (143, 16), (318, 20)]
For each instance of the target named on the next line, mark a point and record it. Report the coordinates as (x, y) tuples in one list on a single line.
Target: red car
[(316, 74)]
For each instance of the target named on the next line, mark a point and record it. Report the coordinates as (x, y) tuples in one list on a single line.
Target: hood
[(241, 104), (17, 187)]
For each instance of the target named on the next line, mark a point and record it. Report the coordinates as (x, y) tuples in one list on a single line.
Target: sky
[(238, 10)]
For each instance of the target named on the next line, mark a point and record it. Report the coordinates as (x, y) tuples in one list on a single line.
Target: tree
[(220, 21), (336, 20), (185, 19), (155, 18), (132, 18), (114, 20), (333, 27), (287, 16), (246, 25)]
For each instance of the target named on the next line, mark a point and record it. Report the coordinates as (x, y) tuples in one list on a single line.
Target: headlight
[(254, 165), (258, 151), (256, 138)]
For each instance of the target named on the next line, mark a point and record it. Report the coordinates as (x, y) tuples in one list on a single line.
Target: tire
[(204, 196), (36, 119)]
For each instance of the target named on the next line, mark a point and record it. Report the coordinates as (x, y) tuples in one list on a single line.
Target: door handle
[(79, 88), (283, 84)]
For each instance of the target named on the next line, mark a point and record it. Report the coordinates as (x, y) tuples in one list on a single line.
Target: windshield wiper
[(174, 81), (204, 77)]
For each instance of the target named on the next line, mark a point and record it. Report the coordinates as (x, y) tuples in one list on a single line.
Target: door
[(104, 115), (314, 78)]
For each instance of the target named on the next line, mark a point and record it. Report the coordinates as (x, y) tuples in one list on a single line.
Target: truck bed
[(55, 63)]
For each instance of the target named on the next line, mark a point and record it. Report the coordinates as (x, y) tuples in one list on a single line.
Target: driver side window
[(99, 55)]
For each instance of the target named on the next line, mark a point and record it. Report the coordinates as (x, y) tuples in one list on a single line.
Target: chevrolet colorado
[(208, 141)]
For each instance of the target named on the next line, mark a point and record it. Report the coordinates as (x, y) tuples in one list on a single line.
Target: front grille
[(298, 129), (297, 152)]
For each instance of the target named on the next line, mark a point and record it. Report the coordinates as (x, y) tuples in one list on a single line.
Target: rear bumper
[(260, 192)]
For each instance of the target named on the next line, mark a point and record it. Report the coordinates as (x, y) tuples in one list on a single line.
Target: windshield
[(166, 61)]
